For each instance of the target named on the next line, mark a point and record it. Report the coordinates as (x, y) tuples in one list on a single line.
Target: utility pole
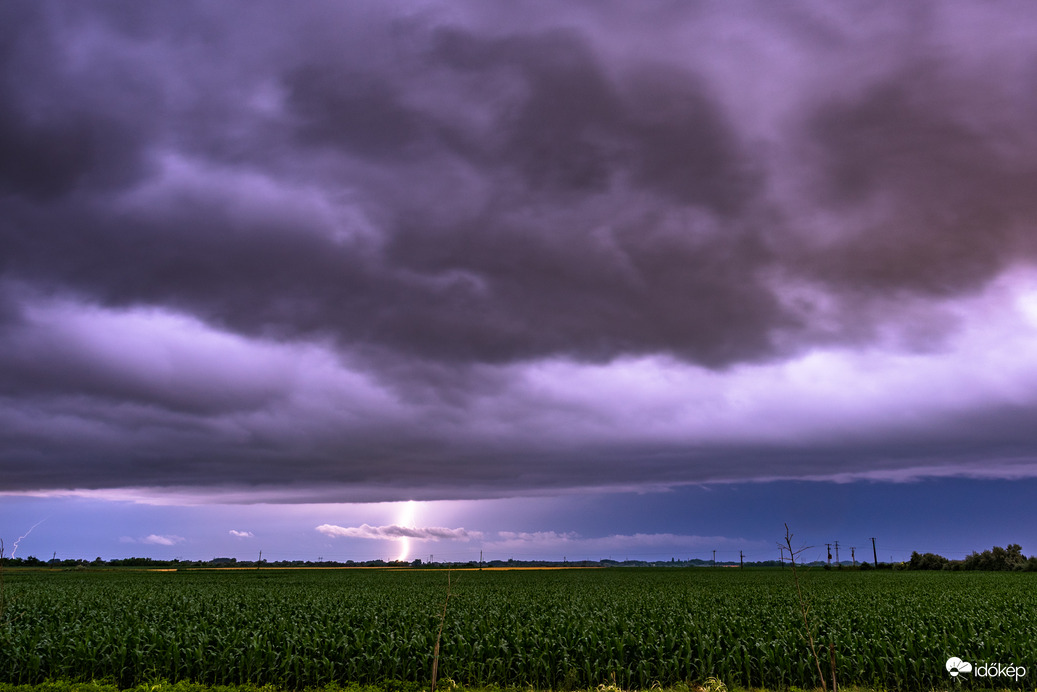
[(740, 556), (480, 561), (714, 558), (837, 563), (828, 547), (853, 556), (781, 557), (260, 560), (874, 555)]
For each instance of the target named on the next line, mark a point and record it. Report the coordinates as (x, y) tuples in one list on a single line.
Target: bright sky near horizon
[(384, 279)]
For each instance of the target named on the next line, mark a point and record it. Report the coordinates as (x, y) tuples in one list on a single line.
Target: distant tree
[(1014, 558), (997, 559), (927, 561)]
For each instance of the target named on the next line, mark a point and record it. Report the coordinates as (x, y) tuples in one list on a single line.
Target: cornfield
[(570, 629)]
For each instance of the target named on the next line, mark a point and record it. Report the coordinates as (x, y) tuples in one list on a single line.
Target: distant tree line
[(997, 559)]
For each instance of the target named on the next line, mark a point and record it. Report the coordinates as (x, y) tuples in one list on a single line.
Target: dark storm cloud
[(442, 198), (575, 128), (356, 112), (55, 135), (955, 190), (543, 266)]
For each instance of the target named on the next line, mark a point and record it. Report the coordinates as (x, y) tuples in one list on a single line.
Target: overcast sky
[(522, 263)]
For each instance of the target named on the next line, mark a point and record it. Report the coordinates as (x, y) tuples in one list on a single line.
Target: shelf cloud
[(362, 253)]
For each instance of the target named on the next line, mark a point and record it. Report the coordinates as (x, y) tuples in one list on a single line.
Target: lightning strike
[(14, 550)]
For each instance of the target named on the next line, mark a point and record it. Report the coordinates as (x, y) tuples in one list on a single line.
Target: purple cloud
[(155, 539), (359, 254), (429, 533)]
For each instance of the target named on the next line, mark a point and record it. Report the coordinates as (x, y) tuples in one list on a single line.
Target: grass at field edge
[(391, 686)]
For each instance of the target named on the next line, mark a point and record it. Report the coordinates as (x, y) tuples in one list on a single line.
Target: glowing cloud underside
[(396, 532)]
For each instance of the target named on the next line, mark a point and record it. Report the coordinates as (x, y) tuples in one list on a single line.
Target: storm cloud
[(384, 252)]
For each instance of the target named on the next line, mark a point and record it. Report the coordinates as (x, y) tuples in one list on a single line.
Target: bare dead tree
[(804, 610)]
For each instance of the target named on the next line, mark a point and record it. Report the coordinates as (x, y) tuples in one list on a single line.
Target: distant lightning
[(406, 518), (22, 537)]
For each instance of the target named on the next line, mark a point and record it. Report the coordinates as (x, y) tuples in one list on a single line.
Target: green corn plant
[(548, 631), (3, 594), (439, 635)]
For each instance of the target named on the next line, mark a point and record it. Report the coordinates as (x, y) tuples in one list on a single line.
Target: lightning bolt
[(22, 537)]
